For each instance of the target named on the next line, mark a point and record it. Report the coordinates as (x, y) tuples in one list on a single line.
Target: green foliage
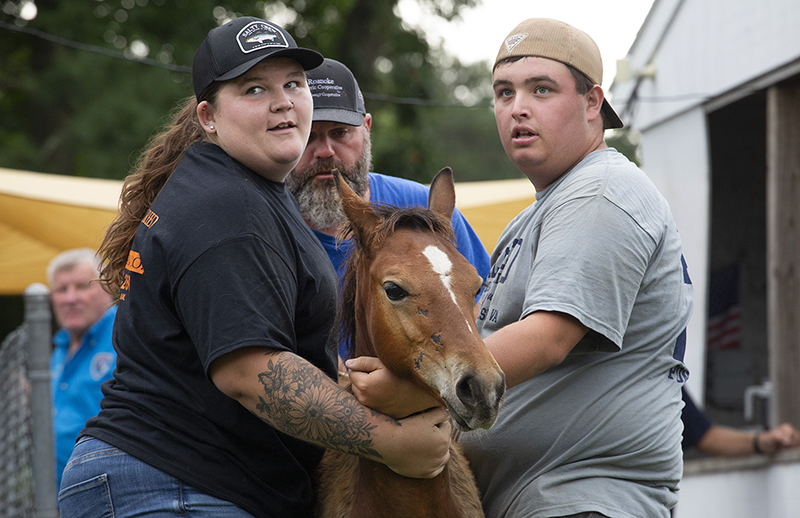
[(462, 138), (626, 142), (79, 112), (76, 112)]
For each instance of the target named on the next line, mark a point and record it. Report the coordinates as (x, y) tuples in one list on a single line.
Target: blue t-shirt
[(695, 422), (75, 383), (403, 193)]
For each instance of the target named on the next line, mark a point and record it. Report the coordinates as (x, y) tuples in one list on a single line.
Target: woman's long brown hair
[(152, 170)]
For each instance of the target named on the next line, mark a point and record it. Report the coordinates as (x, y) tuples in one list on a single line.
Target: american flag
[(724, 314)]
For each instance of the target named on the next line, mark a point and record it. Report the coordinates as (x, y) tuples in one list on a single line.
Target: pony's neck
[(362, 345)]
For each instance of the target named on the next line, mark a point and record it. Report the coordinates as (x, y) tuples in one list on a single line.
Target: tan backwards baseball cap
[(559, 41)]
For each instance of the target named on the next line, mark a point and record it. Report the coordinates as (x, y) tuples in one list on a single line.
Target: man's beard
[(318, 200)]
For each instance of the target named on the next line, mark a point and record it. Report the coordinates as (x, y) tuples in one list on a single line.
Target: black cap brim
[(612, 119), (348, 117), (307, 58)]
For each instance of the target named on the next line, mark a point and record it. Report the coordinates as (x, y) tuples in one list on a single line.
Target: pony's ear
[(361, 216), (442, 197)]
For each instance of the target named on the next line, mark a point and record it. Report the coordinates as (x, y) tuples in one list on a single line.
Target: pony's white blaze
[(442, 266)]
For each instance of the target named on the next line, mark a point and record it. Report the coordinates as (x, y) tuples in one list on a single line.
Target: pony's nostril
[(501, 386), (466, 390)]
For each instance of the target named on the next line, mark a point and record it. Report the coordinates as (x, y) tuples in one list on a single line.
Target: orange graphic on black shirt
[(134, 262), (150, 218), (126, 285)]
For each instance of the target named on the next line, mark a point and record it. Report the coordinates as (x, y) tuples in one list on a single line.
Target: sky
[(612, 24)]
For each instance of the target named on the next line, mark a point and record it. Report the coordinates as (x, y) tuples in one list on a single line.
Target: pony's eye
[(393, 291)]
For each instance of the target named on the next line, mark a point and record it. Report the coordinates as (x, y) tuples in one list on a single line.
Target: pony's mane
[(392, 219)]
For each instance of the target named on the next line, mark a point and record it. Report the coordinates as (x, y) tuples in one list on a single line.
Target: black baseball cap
[(337, 97), (232, 49)]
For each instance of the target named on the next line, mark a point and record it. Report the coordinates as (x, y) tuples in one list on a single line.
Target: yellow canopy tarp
[(44, 214), (489, 206)]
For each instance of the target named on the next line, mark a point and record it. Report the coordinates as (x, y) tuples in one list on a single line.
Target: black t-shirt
[(223, 261)]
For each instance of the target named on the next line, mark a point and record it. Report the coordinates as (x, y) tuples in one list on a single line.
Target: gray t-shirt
[(601, 431)]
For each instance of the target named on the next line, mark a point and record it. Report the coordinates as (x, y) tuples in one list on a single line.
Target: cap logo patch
[(512, 41), (325, 87), (259, 35)]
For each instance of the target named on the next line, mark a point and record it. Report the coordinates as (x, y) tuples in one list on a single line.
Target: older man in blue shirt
[(83, 357)]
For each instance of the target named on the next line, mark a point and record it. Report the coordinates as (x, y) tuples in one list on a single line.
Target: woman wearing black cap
[(224, 396)]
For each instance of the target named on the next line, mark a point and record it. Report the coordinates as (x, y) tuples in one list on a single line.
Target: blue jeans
[(103, 481)]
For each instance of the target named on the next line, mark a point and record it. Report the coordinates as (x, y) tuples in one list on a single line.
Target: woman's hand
[(420, 447), (378, 388)]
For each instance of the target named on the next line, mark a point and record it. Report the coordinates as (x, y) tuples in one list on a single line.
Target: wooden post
[(783, 250)]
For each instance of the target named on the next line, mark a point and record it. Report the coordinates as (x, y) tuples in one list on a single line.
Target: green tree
[(74, 111), (626, 142), (77, 111)]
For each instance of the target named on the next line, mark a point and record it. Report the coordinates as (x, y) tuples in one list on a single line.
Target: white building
[(714, 88)]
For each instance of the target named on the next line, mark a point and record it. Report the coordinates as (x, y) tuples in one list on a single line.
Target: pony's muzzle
[(480, 398)]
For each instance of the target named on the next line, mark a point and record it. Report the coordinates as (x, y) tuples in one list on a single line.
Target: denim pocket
[(88, 499)]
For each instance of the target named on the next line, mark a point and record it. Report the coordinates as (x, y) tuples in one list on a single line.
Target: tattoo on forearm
[(301, 401)]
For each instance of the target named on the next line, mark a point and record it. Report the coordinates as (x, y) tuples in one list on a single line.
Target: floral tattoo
[(301, 401)]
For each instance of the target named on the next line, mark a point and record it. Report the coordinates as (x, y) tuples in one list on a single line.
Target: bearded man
[(340, 139)]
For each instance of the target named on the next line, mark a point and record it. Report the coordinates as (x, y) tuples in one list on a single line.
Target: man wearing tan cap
[(585, 307), (586, 303)]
